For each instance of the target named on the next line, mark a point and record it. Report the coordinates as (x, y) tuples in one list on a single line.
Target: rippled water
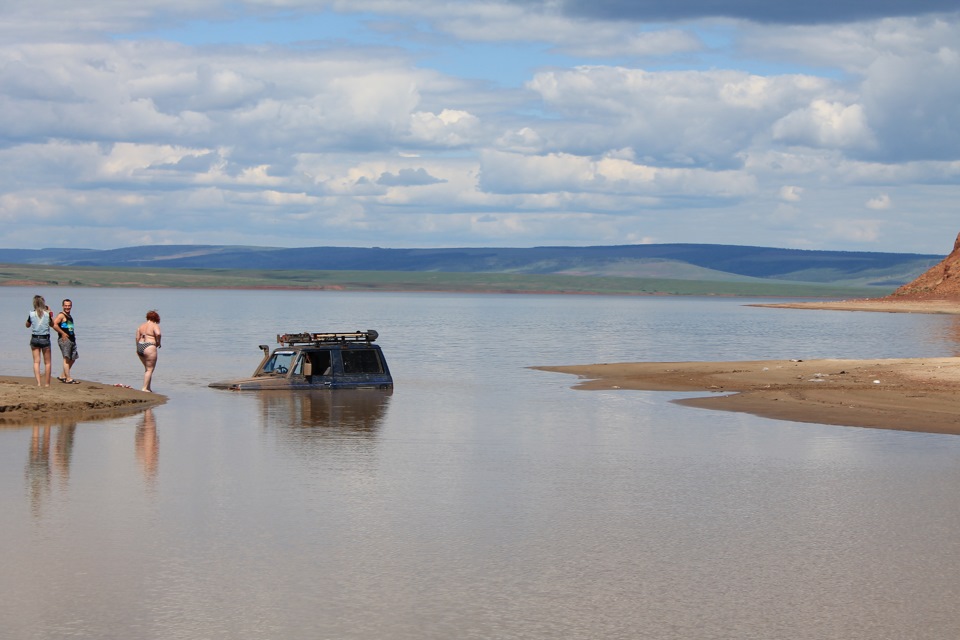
[(479, 499)]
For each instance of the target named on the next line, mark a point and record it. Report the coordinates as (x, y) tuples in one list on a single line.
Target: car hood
[(263, 382)]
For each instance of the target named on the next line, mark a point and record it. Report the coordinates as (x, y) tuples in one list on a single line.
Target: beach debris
[(876, 382)]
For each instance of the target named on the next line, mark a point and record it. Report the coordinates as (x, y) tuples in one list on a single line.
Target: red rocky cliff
[(940, 282)]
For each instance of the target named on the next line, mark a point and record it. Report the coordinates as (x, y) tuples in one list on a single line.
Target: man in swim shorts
[(63, 325)]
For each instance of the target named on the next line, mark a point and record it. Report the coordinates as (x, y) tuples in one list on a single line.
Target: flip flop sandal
[(72, 381), (61, 379)]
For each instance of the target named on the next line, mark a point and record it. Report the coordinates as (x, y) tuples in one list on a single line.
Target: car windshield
[(279, 363)]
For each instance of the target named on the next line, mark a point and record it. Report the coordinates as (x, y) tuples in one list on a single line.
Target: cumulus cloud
[(882, 201), (678, 117), (789, 193), (810, 12), (825, 124), (899, 78), (635, 120), (407, 178), (516, 173), (449, 128), (854, 230)]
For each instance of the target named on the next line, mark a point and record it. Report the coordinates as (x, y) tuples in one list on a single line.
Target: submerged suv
[(318, 361)]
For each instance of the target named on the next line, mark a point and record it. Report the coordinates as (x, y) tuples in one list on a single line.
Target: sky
[(501, 123)]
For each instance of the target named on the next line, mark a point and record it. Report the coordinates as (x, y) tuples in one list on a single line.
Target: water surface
[(479, 499)]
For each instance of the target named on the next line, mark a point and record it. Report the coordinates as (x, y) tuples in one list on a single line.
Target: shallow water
[(480, 498)]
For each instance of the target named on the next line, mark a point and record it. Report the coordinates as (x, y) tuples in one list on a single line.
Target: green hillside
[(682, 269), (44, 275)]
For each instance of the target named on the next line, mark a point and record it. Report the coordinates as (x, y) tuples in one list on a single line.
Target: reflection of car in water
[(321, 414), (318, 361)]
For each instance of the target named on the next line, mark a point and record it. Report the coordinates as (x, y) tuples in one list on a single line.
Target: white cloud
[(625, 129), (449, 128), (902, 73), (825, 124), (676, 117), (790, 193), (516, 173), (854, 230), (882, 201), (129, 160)]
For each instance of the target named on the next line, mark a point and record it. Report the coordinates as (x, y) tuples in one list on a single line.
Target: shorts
[(40, 341), (68, 348)]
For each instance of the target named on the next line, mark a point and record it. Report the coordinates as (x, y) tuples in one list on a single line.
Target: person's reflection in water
[(41, 466), (63, 450), (37, 473), (148, 446)]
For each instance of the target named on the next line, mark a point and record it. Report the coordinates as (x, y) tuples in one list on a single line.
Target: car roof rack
[(307, 337)]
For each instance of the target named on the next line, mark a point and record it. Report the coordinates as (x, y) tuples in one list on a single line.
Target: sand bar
[(22, 401), (877, 305), (913, 394)]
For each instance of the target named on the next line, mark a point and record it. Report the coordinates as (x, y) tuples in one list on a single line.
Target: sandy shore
[(918, 394), (22, 401), (877, 305)]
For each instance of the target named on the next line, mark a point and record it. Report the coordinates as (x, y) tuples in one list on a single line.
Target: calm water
[(481, 499)]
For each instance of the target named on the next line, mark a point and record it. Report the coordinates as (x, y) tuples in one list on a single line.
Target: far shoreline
[(887, 304), (876, 305)]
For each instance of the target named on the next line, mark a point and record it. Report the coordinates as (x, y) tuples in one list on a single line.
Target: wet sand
[(918, 394), (877, 305), (913, 394), (21, 400)]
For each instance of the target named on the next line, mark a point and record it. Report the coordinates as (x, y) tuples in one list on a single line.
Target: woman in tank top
[(39, 324)]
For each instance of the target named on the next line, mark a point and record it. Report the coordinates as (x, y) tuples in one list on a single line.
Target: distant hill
[(704, 262)]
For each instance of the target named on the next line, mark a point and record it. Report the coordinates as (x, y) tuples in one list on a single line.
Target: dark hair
[(153, 316), (66, 300)]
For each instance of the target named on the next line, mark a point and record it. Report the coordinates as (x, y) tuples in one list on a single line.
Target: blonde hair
[(39, 305)]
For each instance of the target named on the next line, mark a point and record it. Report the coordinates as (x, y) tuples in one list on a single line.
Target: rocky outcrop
[(940, 282)]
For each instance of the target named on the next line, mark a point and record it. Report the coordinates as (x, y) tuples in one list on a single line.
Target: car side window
[(319, 363), (361, 361)]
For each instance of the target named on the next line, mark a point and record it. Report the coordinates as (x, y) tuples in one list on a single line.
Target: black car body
[(318, 361)]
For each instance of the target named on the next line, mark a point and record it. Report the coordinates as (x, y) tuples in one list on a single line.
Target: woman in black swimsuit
[(148, 341)]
